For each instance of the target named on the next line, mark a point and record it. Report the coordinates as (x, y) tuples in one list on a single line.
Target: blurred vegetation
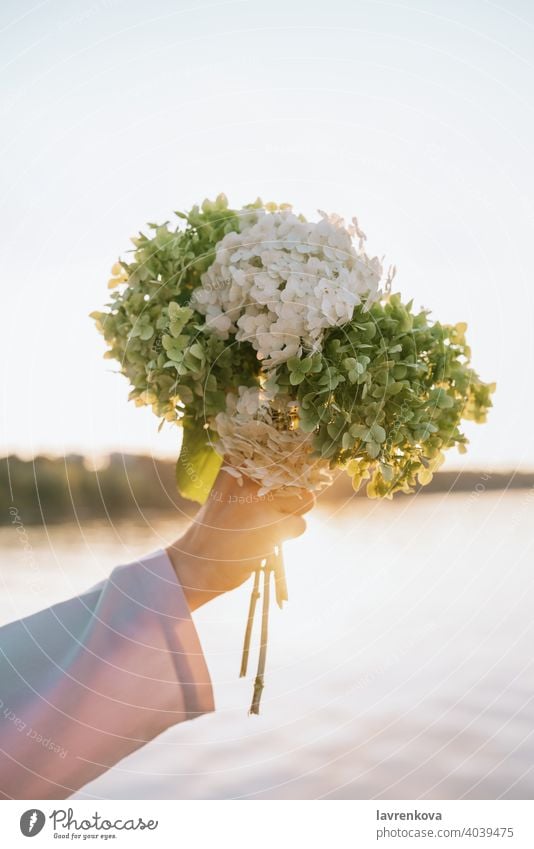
[(64, 489)]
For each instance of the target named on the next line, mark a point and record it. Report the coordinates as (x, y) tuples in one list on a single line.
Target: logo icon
[(32, 822)]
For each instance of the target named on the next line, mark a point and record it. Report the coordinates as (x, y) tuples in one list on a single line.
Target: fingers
[(298, 504), (226, 482), (276, 518), (295, 501)]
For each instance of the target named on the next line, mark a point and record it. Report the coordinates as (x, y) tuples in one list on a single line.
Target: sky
[(417, 117)]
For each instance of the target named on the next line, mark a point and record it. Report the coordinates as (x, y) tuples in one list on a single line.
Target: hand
[(231, 534)]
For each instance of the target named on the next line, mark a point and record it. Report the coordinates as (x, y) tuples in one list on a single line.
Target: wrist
[(193, 575)]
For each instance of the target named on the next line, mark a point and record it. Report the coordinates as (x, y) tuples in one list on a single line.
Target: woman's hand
[(231, 534)]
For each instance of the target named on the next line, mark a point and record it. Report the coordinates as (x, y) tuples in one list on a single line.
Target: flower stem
[(254, 596), (258, 683), (280, 583)]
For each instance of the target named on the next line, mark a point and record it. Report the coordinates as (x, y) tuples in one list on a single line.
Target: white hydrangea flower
[(255, 445), (248, 403), (281, 281)]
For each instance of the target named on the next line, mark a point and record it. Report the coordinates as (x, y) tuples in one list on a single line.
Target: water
[(402, 666)]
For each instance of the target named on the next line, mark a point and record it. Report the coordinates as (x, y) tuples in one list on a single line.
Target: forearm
[(90, 680)]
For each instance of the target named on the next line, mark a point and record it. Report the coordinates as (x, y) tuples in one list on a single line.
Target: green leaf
[(358, 431), (334, 429), (373, 450), (198, 464), (347, 441), (146, 332), (197, 351), (378, 433), (184, 393), (308, 423)]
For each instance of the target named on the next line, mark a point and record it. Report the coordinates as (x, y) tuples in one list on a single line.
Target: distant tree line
[(63, 489)]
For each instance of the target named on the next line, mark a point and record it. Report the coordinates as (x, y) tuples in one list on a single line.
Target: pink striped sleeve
[(87, 681)]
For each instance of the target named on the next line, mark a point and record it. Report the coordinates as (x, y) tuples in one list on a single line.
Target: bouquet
[(278, 347)]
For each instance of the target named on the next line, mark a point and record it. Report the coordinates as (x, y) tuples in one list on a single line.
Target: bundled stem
[(274, 564)]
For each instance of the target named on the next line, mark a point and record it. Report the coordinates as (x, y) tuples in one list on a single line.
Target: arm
[(89, 680)]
